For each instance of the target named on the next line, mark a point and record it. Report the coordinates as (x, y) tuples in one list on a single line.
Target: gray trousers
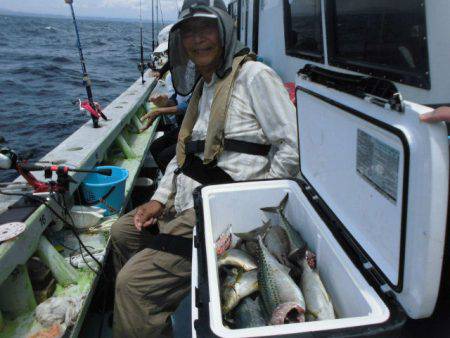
[(150, 284)]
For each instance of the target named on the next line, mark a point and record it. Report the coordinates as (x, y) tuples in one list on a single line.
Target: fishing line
[(71, 227), (67, 212), (160, 9)]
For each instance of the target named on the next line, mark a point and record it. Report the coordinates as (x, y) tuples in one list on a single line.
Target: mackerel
[(237, 258), (297, 244), (248, 314), (253, 234), (247, 240), (244, 285), (282, 298), (277, 242)]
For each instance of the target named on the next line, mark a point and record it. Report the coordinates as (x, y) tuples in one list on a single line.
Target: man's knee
[(122, 227), (116, 231), (122, 282)]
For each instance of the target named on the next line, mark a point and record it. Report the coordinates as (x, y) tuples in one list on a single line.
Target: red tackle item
[(85, 107), (290, 86)]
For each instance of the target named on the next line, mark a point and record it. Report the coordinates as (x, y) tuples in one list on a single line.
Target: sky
[(128, 9)]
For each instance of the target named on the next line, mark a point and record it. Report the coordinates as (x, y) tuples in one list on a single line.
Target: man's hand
[(150, 117), (147, 214), (160, 100), (157, 74), (441, 114)]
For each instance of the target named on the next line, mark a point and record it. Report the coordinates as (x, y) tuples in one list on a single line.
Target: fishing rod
[(157, 18), (141, 65), (153, 25), (10, 160), (89, 105), (161, 12)]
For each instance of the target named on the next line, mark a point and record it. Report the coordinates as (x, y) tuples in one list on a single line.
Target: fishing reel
[(10, 160)]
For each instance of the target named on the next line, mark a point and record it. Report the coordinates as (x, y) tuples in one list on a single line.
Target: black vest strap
[(204, 174), (196, 147), (176, 245)]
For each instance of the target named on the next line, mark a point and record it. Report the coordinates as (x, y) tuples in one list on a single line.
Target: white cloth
[(260, 111), (169, 85), (163, 35)]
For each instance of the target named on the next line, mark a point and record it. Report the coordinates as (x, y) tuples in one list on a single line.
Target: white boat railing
[(84, 148)]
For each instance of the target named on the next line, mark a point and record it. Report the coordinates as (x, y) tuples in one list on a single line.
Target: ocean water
[(40, 76)]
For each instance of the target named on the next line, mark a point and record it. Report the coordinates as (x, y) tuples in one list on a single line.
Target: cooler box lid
[(383, 173)]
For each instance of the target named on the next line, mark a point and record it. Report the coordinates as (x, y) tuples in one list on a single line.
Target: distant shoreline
[(5, 12)]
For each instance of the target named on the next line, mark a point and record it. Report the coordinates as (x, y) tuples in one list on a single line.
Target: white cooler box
[(372, 205)]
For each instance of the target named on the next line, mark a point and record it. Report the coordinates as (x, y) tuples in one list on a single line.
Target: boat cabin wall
[(423, 77), (246, 15)]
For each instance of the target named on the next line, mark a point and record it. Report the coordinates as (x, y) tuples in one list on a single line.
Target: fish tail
[(252, 235), (279, 208), (273, 210), (283, 203)]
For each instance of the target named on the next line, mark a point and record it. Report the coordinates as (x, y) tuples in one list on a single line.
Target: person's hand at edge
[(160, 100), (441, 114), (150, 117)]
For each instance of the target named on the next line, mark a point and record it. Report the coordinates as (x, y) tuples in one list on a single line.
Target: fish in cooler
[(238, 287), (248, 314), (277, 242), (274, 237), (296, 243), (282, 298), (318, 302), (237, 258)]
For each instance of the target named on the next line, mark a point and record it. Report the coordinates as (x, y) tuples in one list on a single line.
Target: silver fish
[(251, 247), (277, 242), (248, 314), (318, 302), (283, 300), (253, 234), (275, 239), (228, 276), (237, 258), (244, 285), (296, 243)]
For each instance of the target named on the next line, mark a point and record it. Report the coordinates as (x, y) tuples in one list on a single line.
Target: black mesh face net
[(184, 72)]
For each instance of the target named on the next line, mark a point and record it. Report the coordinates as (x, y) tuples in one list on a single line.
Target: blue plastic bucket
[(96, 186)]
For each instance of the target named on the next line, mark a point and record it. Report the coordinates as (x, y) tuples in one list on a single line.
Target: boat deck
[(118, 142)]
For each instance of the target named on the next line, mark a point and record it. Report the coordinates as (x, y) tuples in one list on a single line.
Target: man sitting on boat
[(240, 125)]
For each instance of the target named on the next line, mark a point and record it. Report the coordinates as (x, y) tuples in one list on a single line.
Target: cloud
[(169, 7), (99, 8), (130, 4)]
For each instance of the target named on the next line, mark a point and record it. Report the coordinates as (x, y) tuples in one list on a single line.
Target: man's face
[(201, 42)]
